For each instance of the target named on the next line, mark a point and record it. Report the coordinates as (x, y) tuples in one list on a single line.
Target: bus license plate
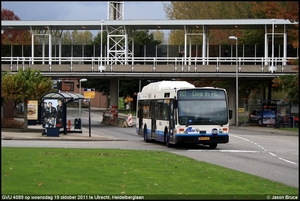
[(204, 138)]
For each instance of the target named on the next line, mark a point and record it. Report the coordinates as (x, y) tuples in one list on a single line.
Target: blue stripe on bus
[(206, 134)]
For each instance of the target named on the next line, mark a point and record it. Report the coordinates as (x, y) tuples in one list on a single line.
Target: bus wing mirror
[(230, 114)]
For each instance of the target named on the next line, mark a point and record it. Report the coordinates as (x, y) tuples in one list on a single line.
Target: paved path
[(35, 133)]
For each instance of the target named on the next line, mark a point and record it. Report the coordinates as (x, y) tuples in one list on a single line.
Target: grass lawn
[(115, 172), (295, 129)]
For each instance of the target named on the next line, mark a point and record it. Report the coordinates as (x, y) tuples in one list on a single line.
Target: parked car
[(267, 118), (254, 116)]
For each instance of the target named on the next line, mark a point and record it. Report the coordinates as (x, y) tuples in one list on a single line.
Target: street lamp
[(236, 82), (101, 43), (272, 64), (101, 67), (81, 80)]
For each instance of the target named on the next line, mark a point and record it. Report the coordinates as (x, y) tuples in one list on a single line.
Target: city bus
[(177, 112)]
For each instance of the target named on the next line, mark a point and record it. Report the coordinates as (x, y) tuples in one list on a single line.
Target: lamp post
[(272, 64), (81, 80), (236, 82), (101, 42)]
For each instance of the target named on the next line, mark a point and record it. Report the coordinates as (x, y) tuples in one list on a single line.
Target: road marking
[(261, 147), (236, 151), (287, 161)]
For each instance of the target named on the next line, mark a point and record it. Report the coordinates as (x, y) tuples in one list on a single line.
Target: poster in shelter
[(52, 113), (32, 110)]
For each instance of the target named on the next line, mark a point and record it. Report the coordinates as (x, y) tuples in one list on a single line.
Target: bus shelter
[(275, 112), (54, 112)]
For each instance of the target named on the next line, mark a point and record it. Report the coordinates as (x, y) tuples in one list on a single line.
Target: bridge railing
[(150, 64)]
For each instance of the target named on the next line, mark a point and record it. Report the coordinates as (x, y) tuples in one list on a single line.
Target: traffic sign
[(89, 93)]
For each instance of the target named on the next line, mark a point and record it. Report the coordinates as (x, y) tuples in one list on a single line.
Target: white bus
[(177, 112)]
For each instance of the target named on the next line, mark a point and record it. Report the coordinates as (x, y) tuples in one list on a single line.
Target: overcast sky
[(82, 10)]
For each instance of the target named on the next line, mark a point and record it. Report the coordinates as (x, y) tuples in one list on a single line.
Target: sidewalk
[(271, 130), (35, 133)]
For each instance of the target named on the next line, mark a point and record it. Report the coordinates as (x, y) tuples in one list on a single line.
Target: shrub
[(11, 123)]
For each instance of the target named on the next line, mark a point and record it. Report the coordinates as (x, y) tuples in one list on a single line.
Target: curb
[(28, 130), (61, 139), (266, 130)]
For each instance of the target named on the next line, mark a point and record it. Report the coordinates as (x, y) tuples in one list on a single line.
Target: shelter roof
[(63, 95)]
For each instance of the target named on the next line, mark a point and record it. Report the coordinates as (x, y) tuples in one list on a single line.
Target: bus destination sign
[(201, 93)]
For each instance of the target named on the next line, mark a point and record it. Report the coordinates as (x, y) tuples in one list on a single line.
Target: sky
[(82, 10)]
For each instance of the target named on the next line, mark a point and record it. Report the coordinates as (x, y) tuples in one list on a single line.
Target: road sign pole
[(90, 134)]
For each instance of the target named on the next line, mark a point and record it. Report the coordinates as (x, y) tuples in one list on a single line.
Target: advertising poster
[(52, 113), (269, 114), (32, 110)]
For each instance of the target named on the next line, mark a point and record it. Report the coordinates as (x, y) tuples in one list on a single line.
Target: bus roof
[(166, 85)]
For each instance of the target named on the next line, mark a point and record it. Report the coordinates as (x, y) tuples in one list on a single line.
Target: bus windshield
[(202, 112)]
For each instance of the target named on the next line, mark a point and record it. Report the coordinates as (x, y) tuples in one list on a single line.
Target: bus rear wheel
[(145, 136), (167, 142)]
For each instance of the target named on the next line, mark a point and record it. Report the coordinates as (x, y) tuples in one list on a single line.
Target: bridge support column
[(114, 96), (231, 101)]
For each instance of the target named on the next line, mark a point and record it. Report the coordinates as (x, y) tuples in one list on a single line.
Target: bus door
[(153, 119), (172, 115), (140, 116)]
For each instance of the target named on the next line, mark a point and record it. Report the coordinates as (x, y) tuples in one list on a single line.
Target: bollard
[(69, 125), (114, 113), (129, 119)]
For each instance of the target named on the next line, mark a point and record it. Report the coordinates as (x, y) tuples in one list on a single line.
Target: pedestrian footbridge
[(214, 67), (121, 59)]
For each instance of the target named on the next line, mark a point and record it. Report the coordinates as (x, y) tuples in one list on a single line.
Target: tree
[(145, 37), (289, 84), (206, 10), (279, 9), (287, 10), (158, 35), (77, 38), (97, 38), (23, 86), (14, 37), (236, 10)]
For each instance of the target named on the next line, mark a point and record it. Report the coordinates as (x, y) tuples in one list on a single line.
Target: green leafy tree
[(77, 38), (145, 37), (289, 84), (67, 38), (97, 38), (159, 36), (23, 86)]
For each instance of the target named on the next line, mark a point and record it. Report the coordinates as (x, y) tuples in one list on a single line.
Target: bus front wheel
[(213, 146)]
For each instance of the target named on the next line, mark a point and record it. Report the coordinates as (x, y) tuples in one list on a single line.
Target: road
[(271, 156)]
